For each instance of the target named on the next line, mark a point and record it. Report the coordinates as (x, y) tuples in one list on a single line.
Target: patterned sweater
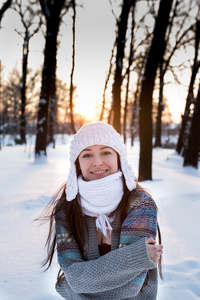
[(119, 274)]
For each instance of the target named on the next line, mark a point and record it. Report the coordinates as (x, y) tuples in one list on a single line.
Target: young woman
[(105, 223)]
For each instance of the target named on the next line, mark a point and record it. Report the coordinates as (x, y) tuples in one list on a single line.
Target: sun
[(87, 98), (87, 109)]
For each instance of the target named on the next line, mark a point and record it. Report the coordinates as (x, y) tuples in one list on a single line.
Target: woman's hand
[(155, 251)]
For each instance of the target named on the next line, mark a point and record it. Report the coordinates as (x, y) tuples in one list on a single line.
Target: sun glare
[(87, 109), (176, 102)]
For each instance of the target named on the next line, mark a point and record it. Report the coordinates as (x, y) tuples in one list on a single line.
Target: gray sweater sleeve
[(110, 271), (126, 292)]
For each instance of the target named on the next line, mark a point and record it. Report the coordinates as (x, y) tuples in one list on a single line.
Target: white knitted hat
[(97, 133)]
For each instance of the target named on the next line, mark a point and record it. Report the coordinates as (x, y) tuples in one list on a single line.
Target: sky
[(95, 34), (28, 185)]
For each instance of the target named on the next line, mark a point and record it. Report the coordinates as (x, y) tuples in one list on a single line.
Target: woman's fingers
[(154, 251)]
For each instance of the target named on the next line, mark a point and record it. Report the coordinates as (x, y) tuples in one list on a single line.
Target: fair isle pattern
[(141, 222), (67, 247)]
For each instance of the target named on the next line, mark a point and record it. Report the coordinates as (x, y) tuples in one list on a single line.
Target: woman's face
[(98, 162)]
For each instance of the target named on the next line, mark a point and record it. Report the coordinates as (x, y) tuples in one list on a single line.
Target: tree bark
[(154, 57), (190, 96), (158, 142), (27, 15), (23, 88), (193, 147), (72, 70), (128, 76), (106, 83), (121, 38), (48, 89)]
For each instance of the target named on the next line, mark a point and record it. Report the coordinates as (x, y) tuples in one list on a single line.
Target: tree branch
[(4, 7)]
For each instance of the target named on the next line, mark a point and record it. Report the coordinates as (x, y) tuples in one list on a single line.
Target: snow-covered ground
[(27, 186)]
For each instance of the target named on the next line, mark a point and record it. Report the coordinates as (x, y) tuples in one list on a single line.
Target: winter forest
[(134, 64)]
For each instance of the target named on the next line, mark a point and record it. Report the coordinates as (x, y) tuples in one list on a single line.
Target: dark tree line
[(170, 15), (149, 56)]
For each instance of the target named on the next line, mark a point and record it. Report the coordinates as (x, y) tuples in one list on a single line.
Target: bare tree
[(52, 12), (106, 82), (29, 17), (190, 97), (182, 38), (134, 125), (154, 57), (137, 60), (130, 60), (73, 66), (193, 146), (10, 102), (121, 39)]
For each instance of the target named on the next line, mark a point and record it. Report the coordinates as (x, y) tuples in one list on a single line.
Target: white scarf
[(100, 197)]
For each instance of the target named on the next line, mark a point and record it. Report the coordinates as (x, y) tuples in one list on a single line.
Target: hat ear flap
[(72, 184), (127, 171)]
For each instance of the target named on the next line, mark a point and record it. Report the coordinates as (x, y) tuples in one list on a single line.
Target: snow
[(28, 185)]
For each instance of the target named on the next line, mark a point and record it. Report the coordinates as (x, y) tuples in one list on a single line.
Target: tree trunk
[(52, 120), (72, 70), (23, 88), (121, 38), (193, 147), (48, 89), (189, 101), (134, 121), (158, 142), (128, 76), (106, 83), (154, 58), (190, 96)]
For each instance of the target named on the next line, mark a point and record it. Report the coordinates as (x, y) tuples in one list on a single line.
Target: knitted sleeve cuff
[(138, 257)]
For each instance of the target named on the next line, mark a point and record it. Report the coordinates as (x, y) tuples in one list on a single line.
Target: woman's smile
[(99, 173)]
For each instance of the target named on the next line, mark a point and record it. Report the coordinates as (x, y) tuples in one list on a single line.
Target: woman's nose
[(97, 161)]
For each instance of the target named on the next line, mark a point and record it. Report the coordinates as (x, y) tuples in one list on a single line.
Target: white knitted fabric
[(98, 198), (97, 133)]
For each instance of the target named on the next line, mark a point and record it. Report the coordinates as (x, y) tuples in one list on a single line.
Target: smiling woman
[(105, 223)]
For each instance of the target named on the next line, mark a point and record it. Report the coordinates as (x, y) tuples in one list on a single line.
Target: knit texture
[(97, 133), (121, 273), (98, 198)]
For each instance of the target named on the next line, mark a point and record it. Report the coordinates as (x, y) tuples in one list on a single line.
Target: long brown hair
[(73, 218)]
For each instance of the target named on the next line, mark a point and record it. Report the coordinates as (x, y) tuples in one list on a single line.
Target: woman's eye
[(86, 155), (106, 153)]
